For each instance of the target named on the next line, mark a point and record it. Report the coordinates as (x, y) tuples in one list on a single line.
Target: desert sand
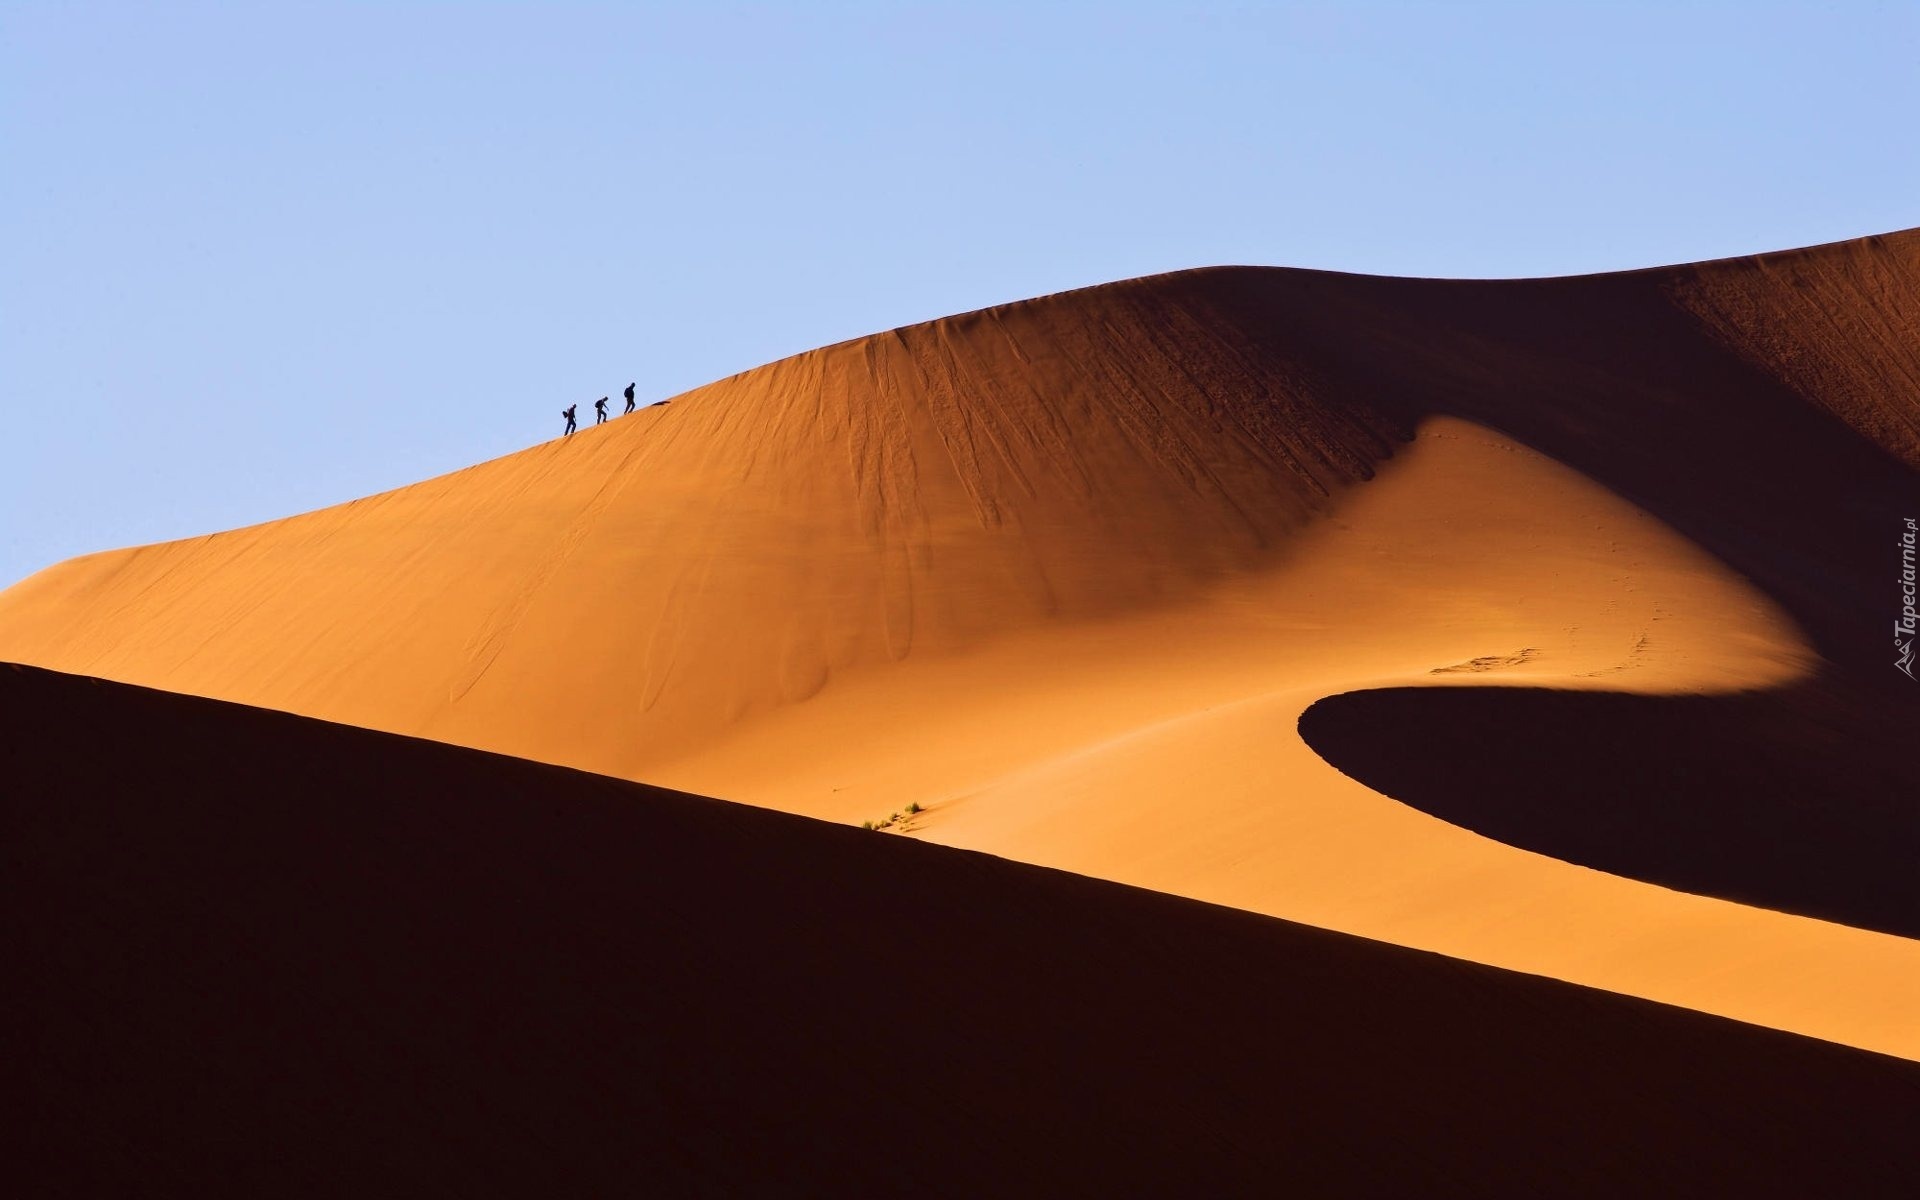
[(1539, 623), (263, 954)]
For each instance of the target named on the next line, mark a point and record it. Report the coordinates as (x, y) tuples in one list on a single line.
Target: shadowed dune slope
[(253, 952)]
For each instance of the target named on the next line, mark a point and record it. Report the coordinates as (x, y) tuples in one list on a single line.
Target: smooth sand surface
[(252, 953), (1069, 573)]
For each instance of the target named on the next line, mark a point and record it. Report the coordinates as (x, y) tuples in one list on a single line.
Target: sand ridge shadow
[(1798, 798)]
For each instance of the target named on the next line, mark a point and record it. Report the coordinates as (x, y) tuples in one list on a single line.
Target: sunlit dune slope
[(253, 953), (1068, 572), (610, 599)]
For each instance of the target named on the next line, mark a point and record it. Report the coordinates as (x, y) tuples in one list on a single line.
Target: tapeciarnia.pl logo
[(1903, 627)]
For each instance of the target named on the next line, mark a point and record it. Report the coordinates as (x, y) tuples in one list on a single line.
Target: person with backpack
[(567, 412), (629, 395), (600, 411)]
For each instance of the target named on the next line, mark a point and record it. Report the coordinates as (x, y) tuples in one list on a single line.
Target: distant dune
[(257, 954), (1068, 573)]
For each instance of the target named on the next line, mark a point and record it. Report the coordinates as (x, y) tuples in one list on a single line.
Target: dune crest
[(1069, 571), (609, 599)]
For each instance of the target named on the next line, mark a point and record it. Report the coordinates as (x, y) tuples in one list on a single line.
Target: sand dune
[(1069, 572), (254, 953)]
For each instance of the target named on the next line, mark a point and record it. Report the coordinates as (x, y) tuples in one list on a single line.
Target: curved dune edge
[(1164, 753), (1727, 796)]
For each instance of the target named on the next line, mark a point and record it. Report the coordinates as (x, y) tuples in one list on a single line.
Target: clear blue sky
[(261, 257)]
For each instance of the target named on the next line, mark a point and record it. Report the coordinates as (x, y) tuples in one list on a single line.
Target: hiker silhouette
[(600, 410), (629, 395), (567, 412)]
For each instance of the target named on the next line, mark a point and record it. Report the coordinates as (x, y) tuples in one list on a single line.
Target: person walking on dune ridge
[(600, 411), (567, 412), (629, 395)]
